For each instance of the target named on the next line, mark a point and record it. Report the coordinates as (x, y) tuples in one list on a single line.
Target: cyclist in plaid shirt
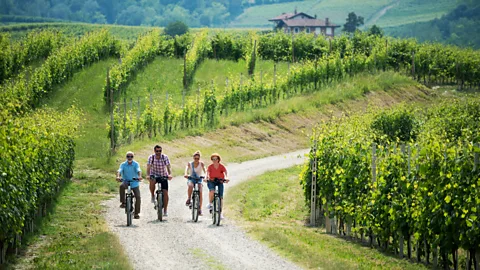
[(159, 165)]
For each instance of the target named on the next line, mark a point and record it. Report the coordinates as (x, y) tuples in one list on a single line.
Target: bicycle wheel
[(196, 203), (216, 211), (160, 205), (128, 209)]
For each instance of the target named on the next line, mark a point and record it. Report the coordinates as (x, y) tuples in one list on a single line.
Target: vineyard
[(404, 175), (322, 62), (39, 143)]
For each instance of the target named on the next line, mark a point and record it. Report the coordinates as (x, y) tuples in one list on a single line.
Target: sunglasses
[(197, 158), (129, 156), (158, 151), (215, 158)]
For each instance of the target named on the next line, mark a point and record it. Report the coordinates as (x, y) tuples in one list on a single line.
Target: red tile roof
[(307, 22), (289, 16)]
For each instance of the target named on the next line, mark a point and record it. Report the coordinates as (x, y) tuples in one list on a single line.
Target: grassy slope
[(271, 208), (406, 11), (165, 75), (76, 233), (85, 91), (410, 11)]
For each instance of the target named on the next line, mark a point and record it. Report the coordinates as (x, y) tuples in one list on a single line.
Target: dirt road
[(179, 243)]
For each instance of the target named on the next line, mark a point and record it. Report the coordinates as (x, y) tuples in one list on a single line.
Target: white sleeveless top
[(198, 169)]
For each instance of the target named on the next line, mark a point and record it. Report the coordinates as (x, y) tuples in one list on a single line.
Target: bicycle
[(217, 202), (159, 203), (195, 205), (129, 200)]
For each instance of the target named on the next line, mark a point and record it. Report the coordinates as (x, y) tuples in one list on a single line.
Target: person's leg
[(165, 195), (201, 194), (138, 201), (152, 188), (220, 194), (189, 190), (122, 193), (211, 188)]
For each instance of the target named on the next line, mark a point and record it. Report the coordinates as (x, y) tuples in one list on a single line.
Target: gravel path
[(179, 243)]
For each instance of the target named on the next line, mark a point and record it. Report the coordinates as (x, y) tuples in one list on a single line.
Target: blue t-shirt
[(130, 171)]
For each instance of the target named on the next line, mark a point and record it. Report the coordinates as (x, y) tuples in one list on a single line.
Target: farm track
[(375, 17), (178, 243)]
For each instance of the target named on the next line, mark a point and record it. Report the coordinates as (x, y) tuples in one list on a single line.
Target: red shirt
[(216, 173)]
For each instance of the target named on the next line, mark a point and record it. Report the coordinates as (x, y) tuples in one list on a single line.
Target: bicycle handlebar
[(130, 181), (196, 178), (158, 178), (217, 180)]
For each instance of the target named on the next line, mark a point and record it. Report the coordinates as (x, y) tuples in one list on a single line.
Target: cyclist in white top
[(194, 169)]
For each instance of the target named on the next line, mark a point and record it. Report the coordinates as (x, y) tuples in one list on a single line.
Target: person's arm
[(186, 170), (119, 178), (208, 174), (169, 169), (148, 167), (226, 174), (203, 168), (139, 173)]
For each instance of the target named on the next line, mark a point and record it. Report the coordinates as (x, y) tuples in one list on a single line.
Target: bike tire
[(196, 203), (219, 210), (128, 209), (160, 206), (215, 214)]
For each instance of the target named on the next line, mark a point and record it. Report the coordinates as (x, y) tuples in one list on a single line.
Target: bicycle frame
[(129, 208), (159, 203), (217, 203), (195, 205)]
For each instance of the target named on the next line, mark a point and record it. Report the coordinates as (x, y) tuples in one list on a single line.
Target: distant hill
[(380, 12), (225, 13), (459, 27)]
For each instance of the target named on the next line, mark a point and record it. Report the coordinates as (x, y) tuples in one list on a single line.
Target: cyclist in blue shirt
[(127, 171)]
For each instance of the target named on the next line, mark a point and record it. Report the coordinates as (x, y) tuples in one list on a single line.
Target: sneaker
[(200, 213), (187, 203), (165, 214), (209, 206), (136, 217), (221, 216), (153, 199), (122, 205)]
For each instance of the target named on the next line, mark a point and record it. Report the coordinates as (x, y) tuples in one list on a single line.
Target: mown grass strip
[(271, 209), (75, 235)]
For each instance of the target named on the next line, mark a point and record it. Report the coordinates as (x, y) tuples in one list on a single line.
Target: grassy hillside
[(409, 11), (459, 27), (401, 12)]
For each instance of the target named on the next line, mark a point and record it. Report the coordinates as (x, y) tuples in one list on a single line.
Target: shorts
[(163, 182), (195, 181), (211, 186)]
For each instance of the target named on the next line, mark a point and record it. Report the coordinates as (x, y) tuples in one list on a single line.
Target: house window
[(329, 31), (296, 30), (307, 30), (317, 31)]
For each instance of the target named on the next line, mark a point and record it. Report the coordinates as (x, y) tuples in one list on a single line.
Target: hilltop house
[(297, 22)]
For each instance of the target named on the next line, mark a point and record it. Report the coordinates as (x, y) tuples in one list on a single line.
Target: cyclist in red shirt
[(218, 171)]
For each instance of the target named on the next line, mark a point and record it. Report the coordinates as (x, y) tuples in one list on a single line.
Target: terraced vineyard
[(151, 89)]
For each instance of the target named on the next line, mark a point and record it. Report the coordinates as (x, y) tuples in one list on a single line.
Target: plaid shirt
[(158, 167)]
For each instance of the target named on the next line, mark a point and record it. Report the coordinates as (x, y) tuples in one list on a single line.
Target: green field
[(401, 13), (271, 208), (164, 75), (410, 11)]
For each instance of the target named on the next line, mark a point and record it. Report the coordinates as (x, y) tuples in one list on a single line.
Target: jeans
[(136, 192)]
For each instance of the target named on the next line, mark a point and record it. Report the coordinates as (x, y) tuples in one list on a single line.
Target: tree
[(176, 28), (375, 31), (352, 22), (133, 15)]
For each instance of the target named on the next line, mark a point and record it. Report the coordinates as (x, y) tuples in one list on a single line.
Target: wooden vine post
[(313, 200)]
